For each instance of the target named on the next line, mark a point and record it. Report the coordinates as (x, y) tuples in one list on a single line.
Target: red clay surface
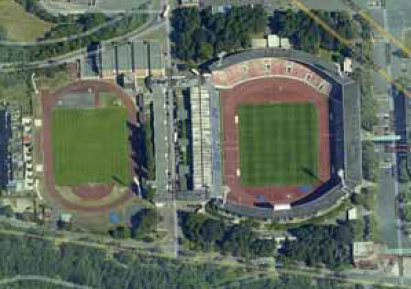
[(49, 102), (265, 91)]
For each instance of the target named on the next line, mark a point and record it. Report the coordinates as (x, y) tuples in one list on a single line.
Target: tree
[(406, 213), (144, 222), (120, 233), (326, 244), (200, 35), (357, 227), (366, 198), (3, 33), (7, 211), (305, 34), (369, 161), (150, 194), (403, 175), (149, 150), (212, 230), (263, 247), (205, 50), (238, 241)]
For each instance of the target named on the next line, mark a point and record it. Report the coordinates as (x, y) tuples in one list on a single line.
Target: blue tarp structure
[(305, 188), (114, 218), (261, 199)]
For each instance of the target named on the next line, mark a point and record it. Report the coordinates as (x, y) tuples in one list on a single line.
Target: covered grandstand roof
[(156, 55), (124, 57), (290, 54), (140, 55), (108, 58), (251, 69)]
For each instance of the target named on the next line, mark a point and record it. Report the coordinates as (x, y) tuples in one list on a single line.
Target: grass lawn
[(109, 99), (278, 144), (20, 25), (90, 146)]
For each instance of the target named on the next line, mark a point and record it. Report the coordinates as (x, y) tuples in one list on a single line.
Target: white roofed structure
[(201, 137)]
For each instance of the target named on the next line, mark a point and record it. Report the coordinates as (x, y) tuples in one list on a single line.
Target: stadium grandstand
[(320, 128), (139, 59), (201, 137)]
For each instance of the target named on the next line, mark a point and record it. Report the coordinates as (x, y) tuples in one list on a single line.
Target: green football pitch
[(278, 144), (90, 146)]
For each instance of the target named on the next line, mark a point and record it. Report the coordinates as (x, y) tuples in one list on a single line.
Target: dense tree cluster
[(366, 198), (149, 160), (326, 244), (6, 211), (306, 34), (403, 173), (3, 33), (143, 223), (197, 36), (94, 268), (369, 161), (238, 240), (91, 267), (369, 106)]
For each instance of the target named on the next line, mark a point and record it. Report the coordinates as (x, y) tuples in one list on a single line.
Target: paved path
[(44, 279)]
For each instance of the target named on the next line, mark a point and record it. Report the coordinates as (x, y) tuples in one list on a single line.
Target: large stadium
[(289, 145)]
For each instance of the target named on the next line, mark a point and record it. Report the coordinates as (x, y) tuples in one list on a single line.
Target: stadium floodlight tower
[(221, 56), (341, 175), (225, 194), (137, 182), (344, 188)]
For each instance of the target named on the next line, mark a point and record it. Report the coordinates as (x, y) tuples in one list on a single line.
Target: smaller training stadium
[(88, 157)]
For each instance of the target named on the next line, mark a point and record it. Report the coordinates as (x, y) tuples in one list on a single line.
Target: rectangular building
[(156, 59), (201, 137), (140, 59), (108, 62), (124, 59)]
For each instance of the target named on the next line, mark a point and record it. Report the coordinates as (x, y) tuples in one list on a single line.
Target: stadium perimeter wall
[(345, 118)]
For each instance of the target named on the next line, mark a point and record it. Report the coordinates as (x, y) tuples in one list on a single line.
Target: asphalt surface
[(160, 141), (393, 20)]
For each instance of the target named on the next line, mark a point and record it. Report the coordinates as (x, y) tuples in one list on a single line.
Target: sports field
[(278, 144), (90, 146)]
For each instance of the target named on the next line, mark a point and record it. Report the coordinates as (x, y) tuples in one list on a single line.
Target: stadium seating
[(269, 67)]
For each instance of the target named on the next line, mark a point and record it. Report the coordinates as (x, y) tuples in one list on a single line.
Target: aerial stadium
[(288, 134)]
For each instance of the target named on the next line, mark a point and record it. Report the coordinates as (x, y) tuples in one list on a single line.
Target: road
[(387, 210), (171, 134)]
